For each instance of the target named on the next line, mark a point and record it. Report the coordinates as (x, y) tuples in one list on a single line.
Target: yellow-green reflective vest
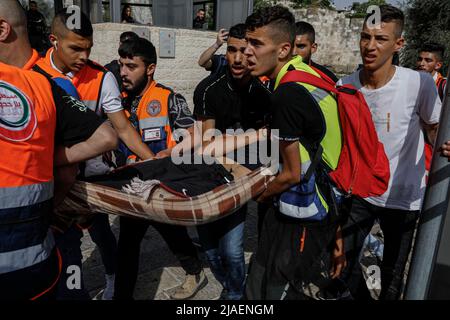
[(304, 200)]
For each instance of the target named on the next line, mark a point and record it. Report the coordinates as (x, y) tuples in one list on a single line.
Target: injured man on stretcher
[(197, 184)]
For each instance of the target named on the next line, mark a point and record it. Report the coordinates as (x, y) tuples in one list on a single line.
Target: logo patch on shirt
[(17, 116), (154, 108)]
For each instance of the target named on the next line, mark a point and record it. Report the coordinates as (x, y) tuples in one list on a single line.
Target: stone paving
[(159, 271)]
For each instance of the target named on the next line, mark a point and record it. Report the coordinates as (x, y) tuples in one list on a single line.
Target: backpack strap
[(305, 77), (323, 75), (441, 87), (315, 161)]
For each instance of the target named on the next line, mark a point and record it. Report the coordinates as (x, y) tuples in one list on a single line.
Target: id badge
[(152, 134)]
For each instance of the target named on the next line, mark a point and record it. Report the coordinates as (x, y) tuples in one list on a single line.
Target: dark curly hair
[(434, 48), (238, 31), (139, 47), (280, 20)]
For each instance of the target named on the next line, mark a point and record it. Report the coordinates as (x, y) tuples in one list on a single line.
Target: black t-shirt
[(74, 121), (198, 23), (296, 114), (114, 67), (325, 70), (218, 98), (218, 64)]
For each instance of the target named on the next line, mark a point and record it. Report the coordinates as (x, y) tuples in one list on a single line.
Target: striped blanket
[(153, 201)]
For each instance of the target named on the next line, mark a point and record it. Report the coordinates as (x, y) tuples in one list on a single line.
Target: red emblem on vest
[(17, 116)]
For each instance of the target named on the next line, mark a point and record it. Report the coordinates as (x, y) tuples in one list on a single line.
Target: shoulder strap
[(323, 75), (315, 161), (441, 86), (305, 77)]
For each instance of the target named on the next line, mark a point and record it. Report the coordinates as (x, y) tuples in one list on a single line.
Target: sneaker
[(192, 284), (108, 293)]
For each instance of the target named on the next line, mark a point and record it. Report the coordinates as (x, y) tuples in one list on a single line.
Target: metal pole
[(434, 212), (115, 10)]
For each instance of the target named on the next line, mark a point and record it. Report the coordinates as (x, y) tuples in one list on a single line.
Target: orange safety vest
[(153, 118), (440, 84), (27, 134), (88, 81)]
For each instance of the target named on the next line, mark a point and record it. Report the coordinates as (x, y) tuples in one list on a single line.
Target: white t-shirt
[(397, 109)]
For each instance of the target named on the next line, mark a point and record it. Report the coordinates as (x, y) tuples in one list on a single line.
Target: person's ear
[(151, 69), (313, 48), (5, 30), (285, 51), (399, 43), (438, 65), (53, 41)]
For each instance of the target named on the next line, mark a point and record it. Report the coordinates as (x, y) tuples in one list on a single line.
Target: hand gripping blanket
[(158, 190)]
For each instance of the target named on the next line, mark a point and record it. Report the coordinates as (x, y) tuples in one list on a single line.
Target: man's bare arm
[(223, 144), (129, 135), (102, 140), (205, 58), (290, 172), (431, 132)]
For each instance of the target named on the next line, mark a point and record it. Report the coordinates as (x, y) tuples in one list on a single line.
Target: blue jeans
[(223, 244)]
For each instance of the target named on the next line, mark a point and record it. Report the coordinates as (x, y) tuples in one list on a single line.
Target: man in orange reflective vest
[(35, 116), (97, 89), (155, 111)]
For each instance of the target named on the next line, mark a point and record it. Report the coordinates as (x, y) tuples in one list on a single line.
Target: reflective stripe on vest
[(26, 169), (305, 210), (14, 197), (153, 122), (23, 258)]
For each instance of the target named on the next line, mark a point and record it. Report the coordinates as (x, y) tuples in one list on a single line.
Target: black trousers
[(132, 232), (102, 235), (398, 229)]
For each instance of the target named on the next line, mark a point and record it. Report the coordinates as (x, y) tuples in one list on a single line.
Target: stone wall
[(337, 37), (182, 73)]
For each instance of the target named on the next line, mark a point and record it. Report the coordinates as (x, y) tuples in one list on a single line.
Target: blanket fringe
[(141, 188)]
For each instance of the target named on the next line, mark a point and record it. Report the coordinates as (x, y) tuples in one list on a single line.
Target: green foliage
[(312, 3), (295, 3), (360, 9), (258, 4), (427, 21)]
